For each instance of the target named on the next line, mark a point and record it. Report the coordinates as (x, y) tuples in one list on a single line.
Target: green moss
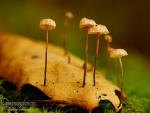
[(132, 106)]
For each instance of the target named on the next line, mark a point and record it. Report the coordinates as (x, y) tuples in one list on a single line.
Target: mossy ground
[(136, 87)]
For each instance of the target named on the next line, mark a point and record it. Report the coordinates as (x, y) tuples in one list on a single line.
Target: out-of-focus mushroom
[(68, 16)]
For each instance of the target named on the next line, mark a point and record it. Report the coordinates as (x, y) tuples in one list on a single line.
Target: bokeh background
[(127, 20)]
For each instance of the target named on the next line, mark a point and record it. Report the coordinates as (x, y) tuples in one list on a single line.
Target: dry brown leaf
[(22, 62)]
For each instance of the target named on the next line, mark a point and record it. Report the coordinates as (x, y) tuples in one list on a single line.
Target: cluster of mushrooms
[(90, 27)]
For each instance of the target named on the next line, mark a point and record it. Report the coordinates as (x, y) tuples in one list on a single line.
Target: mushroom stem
[(64, 43), (108, 46), (117, 73), (121, 82), (45, 69), (65, 40), (96, 56), (65, 36), (86, 56), (108, 58)]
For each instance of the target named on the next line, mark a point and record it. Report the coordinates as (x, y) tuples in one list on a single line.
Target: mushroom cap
[(85, 22), (118, 53), (98, 29), (108, 38), (69, 15), (47, 24)]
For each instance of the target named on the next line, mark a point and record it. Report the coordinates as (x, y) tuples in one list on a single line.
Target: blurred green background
[(127, 20)]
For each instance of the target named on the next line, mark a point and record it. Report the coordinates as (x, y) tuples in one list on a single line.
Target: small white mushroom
[(85, 24), (108, 38), (118, 54), (46, 24), (97, 30), (69, 15)]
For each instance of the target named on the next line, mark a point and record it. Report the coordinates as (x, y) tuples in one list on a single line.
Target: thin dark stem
[(86, 56), (45, 69), (96, 56), (122, 77)]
